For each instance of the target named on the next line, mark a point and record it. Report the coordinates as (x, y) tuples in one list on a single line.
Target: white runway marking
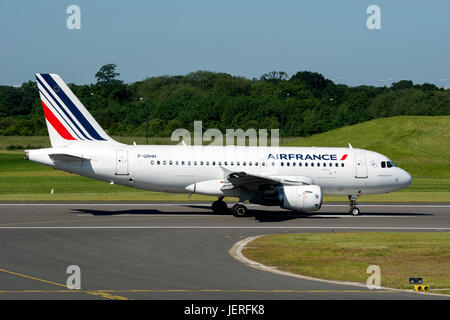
[(231, 227), (167, 215), (178, 215), (209, 205)]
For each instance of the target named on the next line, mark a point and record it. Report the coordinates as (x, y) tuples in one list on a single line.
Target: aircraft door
[(122, 162), (361, 165)]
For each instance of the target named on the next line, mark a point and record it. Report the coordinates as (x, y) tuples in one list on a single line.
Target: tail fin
[(68, 121)]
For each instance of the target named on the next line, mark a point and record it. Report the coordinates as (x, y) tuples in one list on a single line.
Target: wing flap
[(236, 179)]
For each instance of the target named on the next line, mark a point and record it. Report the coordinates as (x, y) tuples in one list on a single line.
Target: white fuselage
[(201, 169)]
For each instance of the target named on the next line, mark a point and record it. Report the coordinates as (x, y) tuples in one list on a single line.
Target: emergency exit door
[(122, 162), (361, 165)]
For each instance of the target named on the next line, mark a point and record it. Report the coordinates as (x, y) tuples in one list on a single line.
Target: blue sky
[(245, 38)]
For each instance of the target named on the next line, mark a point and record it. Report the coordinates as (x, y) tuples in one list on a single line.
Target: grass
[(421, 145), (418, 144), (22, 180), (346, 256), (44, 141)]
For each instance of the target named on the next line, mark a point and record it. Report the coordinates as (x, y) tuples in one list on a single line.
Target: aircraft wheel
[(219, 207), (239, 210), (354, 211)]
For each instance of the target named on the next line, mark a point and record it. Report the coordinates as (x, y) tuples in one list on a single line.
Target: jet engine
[(300, 198)]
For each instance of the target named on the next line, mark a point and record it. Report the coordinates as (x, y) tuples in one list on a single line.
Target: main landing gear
[(239, 210), (220, 207), (352, 203)]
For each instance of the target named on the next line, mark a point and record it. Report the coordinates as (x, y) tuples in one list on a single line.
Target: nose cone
[(404, 179)]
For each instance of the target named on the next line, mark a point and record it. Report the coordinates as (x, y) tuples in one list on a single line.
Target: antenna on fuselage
[(350, 146)]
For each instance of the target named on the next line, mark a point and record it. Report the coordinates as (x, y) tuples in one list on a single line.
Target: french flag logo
[(344, 157)]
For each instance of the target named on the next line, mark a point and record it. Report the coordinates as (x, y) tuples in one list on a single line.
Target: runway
[(176, 251)]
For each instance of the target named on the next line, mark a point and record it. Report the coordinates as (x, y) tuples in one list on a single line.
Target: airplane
[(293, 178)]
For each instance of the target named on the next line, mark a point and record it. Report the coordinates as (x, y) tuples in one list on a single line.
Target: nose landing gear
[(352, 203)]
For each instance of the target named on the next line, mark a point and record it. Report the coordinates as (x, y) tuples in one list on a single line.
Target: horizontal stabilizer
[(67, 157)]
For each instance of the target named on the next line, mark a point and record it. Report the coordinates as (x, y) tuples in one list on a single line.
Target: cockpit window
[(388, 164)]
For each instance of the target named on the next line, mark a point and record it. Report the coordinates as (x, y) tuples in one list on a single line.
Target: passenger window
[(195, 163), (152, 162), (293, 164), (226, 163), (299, 164), (336, 164), (207, 163), (158, 162), (318, 164), (312, 164), (342, 164), (243, 163), (306, 164), (213, 163), (164, 162), (170, 162), (288, 164), (182, 163), (282, 164)]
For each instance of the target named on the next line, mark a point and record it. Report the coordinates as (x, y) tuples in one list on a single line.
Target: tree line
[(309, 102)]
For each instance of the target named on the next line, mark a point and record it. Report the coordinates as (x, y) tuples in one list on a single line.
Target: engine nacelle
[(301, 198), (212, 188)]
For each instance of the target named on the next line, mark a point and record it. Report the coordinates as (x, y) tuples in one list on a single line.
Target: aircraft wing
[(242, 178), (236, 179)]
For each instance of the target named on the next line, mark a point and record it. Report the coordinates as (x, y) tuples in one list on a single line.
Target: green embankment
[(346, 256), (418, 144), (421, 145)]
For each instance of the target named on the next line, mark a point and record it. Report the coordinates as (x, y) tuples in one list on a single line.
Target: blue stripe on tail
[(62, 108), (80, 117)]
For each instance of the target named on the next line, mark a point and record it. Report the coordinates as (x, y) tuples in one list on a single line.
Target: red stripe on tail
[(56, 124)]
